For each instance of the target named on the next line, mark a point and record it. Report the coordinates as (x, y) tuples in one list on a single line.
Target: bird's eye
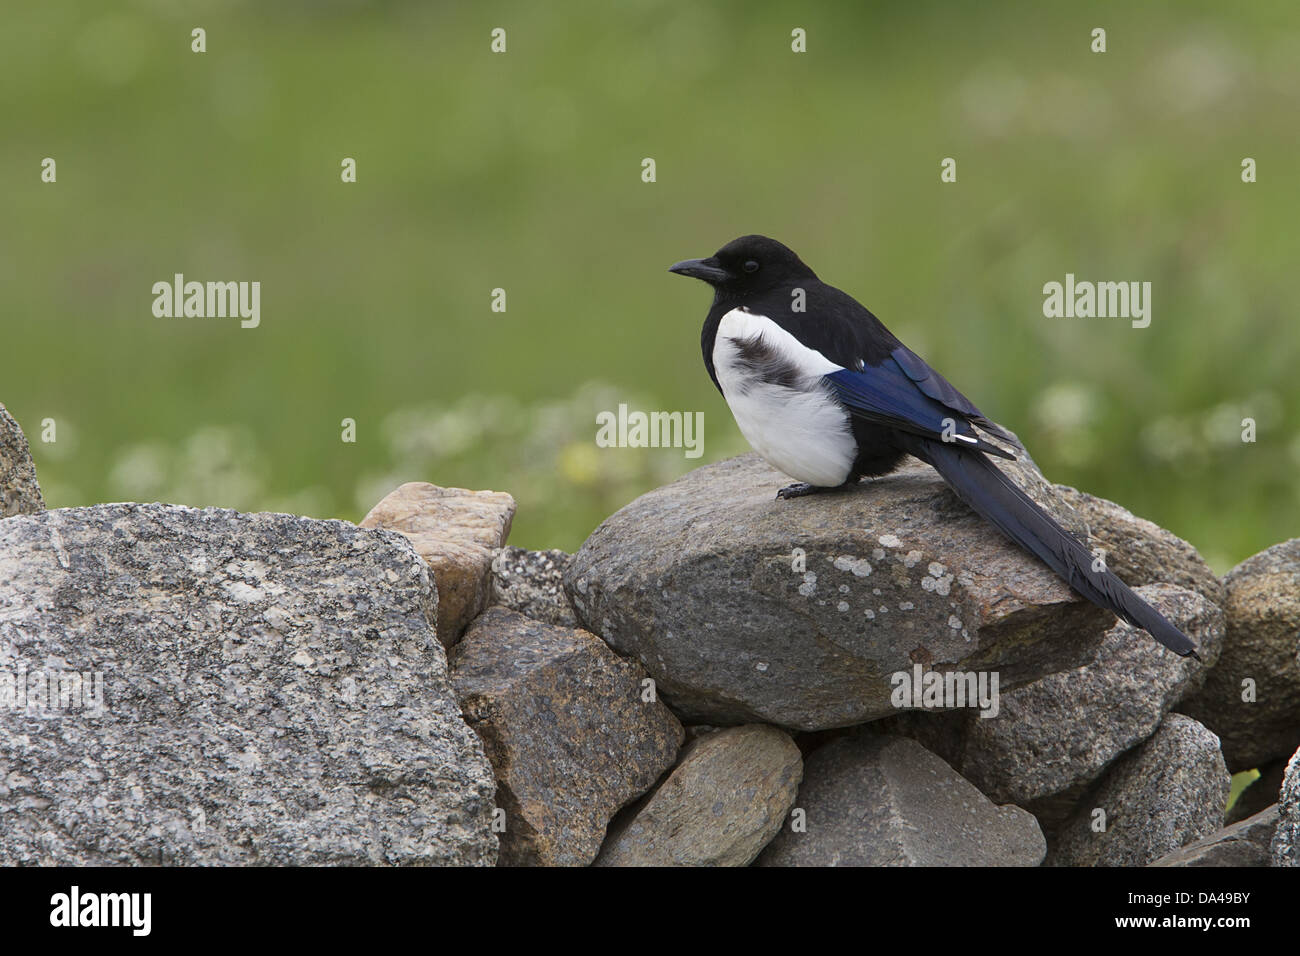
[(751, 265)]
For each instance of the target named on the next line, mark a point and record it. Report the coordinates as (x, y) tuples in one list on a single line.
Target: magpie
[(827, 395)]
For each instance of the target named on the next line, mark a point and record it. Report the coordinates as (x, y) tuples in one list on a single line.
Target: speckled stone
[(1262, 652), (532, 583), (797, 613), (19, 492), (573, 732), (1160, 796), (272, 693), (1286, 839), (724, 801)]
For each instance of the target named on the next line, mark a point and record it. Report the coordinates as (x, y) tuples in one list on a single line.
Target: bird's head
[(746, 266)]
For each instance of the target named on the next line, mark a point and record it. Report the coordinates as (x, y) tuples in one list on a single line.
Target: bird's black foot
[(802, 489), (799, 490)]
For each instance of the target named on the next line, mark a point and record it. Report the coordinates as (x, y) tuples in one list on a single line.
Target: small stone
[(20, 494), (1286, 840), (1167, 793), (1252, 697), (456, 531), (1242, 844), (886, 801), (570, 728), (532, 583), (727, 797)]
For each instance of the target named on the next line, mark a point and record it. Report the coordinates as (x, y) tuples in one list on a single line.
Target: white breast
[(772, 382)]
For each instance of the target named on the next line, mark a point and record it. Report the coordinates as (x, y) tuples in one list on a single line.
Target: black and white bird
[(827, 395)]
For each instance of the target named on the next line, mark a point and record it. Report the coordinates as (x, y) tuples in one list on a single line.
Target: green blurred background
[(523, 171)]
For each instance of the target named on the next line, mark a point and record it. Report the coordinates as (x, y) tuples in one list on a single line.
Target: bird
[(826, 394)]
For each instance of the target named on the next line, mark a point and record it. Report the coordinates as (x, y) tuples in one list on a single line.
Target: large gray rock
[(723, 803), (19, 492), (272, 693), (1164, 794), (1286, 839), (879, 800), (456, 531), (797, 613), (1053, 737), (572, 730), (1140, 551), (532, 583), (1262, 647), (1243, 844)]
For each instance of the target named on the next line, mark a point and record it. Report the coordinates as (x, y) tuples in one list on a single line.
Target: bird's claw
[(797, 490)]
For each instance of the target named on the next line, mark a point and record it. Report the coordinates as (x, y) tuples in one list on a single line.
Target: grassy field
[(522, 171)]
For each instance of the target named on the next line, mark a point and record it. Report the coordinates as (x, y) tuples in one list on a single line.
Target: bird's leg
[(802, 489)]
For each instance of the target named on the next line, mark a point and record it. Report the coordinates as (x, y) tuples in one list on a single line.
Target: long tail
[(979, 483)]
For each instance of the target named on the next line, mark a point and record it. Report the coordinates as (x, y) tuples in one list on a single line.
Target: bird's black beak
[(707, 269)]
